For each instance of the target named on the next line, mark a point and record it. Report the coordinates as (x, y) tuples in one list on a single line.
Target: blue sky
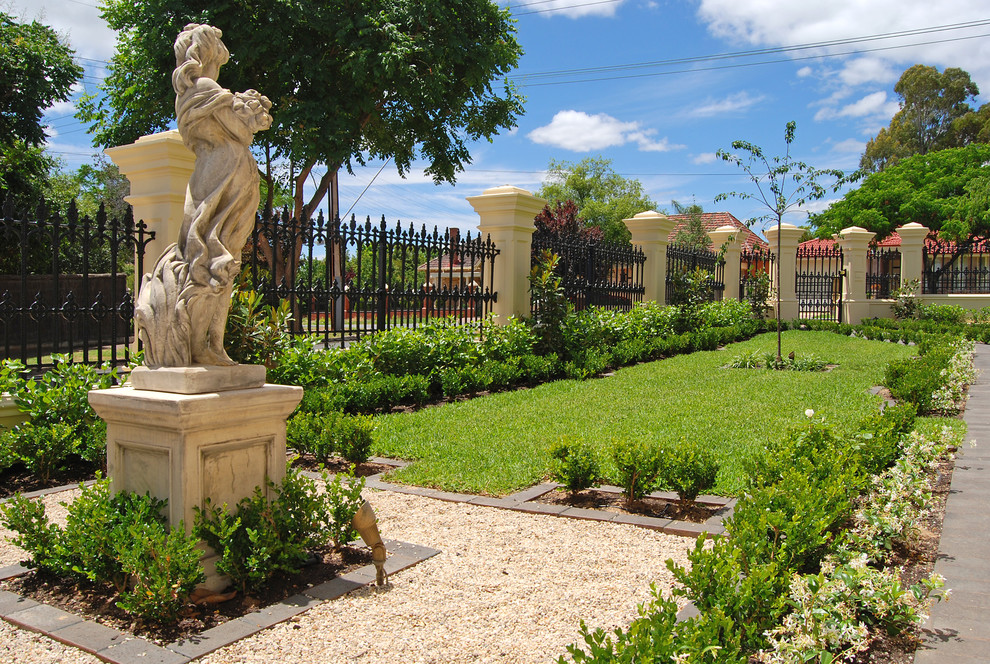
[(656, 87)]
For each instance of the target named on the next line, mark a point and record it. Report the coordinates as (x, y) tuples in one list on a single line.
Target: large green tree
[(945, 190), (603, 197), (349, 80), (36, 71), (934, 114)]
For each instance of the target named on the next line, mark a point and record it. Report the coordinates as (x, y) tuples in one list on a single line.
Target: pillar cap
[(913, 231), (650, 222), (854, 233)]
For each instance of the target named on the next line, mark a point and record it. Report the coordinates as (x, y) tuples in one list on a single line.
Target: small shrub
[(637, 464), (539, 368), (751, 360), (905, 306), (327, 434), (574, 464), (342, 500), (43, 448), (949, 314), (256, 333), (689, 468)]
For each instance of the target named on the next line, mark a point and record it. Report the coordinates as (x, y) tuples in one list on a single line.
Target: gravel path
[(508, 587)]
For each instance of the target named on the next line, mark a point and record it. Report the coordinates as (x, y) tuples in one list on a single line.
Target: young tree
[(603, 197), (563, 220), (36, 71), (783, 184), (932, 104)]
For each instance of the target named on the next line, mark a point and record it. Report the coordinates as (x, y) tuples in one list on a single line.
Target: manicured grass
[(498, 444)]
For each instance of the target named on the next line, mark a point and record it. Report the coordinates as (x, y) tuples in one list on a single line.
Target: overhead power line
[(537, 78)]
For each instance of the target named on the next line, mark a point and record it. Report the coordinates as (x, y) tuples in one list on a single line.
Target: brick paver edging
[(118, 647)]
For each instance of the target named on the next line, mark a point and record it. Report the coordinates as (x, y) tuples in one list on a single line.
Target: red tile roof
[(713, 220)]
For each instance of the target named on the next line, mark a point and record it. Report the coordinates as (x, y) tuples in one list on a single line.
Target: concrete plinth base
[(189, 447)]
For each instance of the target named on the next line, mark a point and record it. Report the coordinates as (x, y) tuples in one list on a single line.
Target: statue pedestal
[(189, 447)]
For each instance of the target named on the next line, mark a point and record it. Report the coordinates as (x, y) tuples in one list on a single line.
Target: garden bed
[(610, 499), (99, 604)]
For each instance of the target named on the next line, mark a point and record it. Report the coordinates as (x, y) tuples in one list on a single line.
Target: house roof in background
[(713, 220)]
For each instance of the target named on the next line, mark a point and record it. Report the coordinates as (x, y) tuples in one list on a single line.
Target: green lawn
[(498, 444)]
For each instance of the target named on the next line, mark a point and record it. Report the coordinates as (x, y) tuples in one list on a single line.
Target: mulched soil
[(98, 603), (608, 501), (17, 479), (337, 465)]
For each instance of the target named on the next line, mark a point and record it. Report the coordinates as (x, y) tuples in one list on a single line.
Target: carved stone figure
[(183, 303)]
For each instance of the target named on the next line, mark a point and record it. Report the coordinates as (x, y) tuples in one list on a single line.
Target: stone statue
[(183, 303)]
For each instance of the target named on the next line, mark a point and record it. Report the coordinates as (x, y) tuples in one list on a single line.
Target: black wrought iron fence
[(883, 271), (348, 279), (594, 273), (64, 285), (818, 281), (956, 268), (683, 262), (755, 272)]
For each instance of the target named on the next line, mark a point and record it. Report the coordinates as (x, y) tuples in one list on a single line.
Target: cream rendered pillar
[(650, 231), (731, 238), (158, 167), (855, 242), (785, 266), (507, 215), (912, 252)]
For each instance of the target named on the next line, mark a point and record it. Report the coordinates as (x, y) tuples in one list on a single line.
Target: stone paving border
[(112, 645)]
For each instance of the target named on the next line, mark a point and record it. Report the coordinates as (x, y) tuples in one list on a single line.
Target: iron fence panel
[(682, 260), (63, 287), (818, 282), (883, 272), (954, 268), (344, 280), (594, 273)]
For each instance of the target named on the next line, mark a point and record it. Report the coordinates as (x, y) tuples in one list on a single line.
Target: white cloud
[(784, 22), (79, 22), (61, 108), (581, 132), (872, 105), (850, 145), (569, 8), (804, 72), (704, 158), (734, 103)]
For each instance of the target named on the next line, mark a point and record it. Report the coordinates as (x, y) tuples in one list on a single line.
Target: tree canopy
[(934, 114), (603, 197), (395, 79), (693, 233), (946, 190), (36, 71)]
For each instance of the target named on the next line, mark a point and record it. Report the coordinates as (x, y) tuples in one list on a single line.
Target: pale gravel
[(507, 587)]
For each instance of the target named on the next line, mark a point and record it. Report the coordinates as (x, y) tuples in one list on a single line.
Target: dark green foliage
[(915, 380), (636, 465), (689, 468), (326, 434), (882, 435), (256, 333), (539, 368), (946, 314), (120, 539), (574, 463), (549, 303), (268, 535), (43, 449)]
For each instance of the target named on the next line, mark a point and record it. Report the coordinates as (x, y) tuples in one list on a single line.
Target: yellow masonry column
[(912, 252), (650, 231), (785, 266), (507, 215), (731, 238), (855, 242), (158, 167)]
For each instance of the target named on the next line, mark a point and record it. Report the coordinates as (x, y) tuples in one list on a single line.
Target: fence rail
[(818, 282), (63, 285), (682, 261), (883, 272), (950, 268), (357, 278), (593, 273)]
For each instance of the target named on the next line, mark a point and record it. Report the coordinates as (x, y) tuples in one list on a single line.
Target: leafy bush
[(574, 464), (326, 434), (688, 468), (503, 342), (120, 539), (550, 305), (263, 538), (637, 464), (539, 368), (882, 435), (343, 500), (906, 302), (950, 314), (256, 333)]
